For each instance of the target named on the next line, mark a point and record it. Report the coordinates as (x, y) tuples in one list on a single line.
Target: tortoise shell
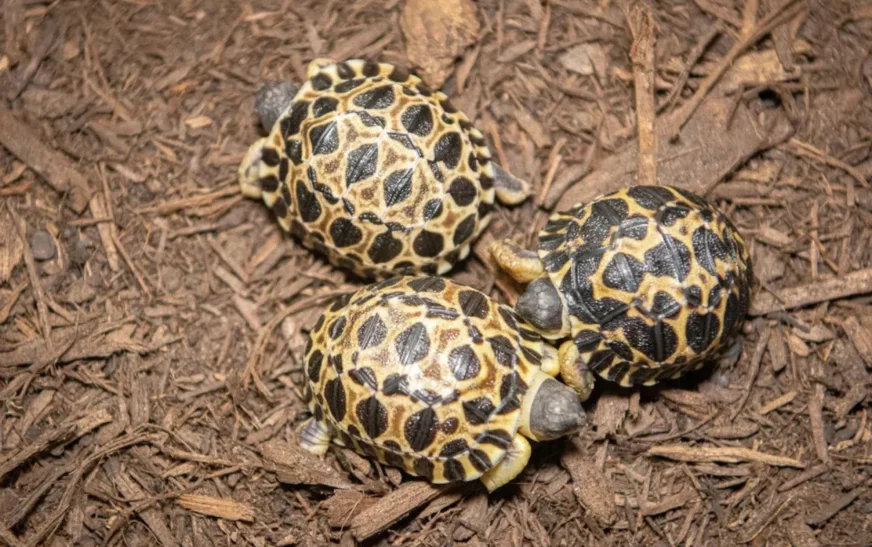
[(377, 171), (422, 374), (656, 281)]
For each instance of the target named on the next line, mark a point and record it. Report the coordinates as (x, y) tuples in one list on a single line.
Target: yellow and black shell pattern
[(378, 172), (423, 374), (656, 281)]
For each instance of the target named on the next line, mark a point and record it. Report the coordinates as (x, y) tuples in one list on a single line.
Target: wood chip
[(75, 346), (11, 246), (577, 59), (391, 508), (294, 465), (223, 508), (514, 51), (533, 128), (591, 487), (797, 346), (198, 122), (723, 454), (807, 475), (763, 516), (641, 22), (669, 504), (815, 416), (352, 45), (473, 517), (344, 505), (821, 290), (777, 403), (60, 435), (830, 510), (437, 32), (54, 167), (860, 335), (130, 490), (738, 430), (768, 234), (800, 534)]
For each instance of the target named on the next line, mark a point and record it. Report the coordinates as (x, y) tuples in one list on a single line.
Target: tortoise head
[(270, 102), (541, 304), (553, 410), (543, 307)]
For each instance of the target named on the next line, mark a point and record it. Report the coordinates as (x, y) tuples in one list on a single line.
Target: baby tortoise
[(649, 282), (369, 166), (436, 378)]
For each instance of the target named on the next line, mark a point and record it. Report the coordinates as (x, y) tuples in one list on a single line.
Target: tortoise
[(367, 165), (433, 377), (647, 283)]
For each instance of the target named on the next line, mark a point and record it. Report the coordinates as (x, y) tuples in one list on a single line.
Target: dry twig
[(644, 30), (724, 454), (822, 290), (54, 167)]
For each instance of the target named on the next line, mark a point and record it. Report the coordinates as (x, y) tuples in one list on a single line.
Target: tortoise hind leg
[(249, 170), (510, 466), (731, 355), (510, 189), (315, 436)]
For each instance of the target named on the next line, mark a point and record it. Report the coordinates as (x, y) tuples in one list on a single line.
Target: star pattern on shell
[(376, 171), (423, 374), (656, 281)]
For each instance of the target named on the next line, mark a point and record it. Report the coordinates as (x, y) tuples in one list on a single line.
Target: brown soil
[(151, 318)]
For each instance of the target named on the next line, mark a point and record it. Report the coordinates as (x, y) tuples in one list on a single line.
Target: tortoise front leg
[(574, 371), (524, 266), (515, 460)]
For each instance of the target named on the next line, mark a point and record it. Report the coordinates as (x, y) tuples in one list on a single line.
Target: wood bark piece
[(294, 465), (81, 346), (723, 454), (391, 508), (706, 151), (830, 510), (822, 290), (11, 247), (800, 534), (58, 171), (223, 508), (63, 434), (150, 514), (861, 337), (589, 484), (436, 33)]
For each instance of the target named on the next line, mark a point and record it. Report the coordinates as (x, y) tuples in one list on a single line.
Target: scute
[(365, 146), (414, 390), (655, 280)]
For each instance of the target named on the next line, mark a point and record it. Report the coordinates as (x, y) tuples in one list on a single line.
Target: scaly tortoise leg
[(523, 265), (510, 190), (315, 436), (515, 460), (574, 371)]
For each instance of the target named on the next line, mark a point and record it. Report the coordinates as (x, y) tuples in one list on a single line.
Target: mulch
[(152, 319)]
